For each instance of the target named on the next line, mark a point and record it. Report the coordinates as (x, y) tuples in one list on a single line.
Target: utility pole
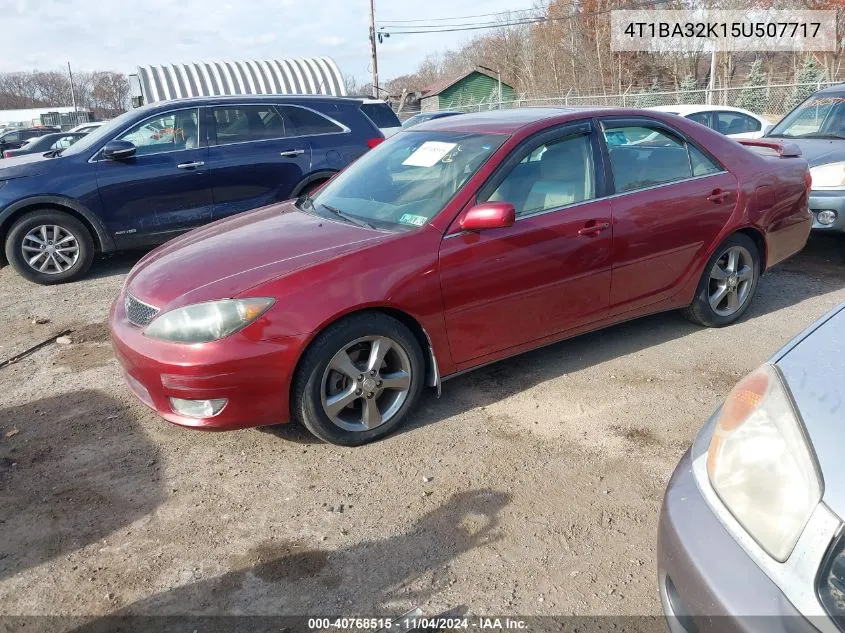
[(712, 84), (373, 47), (72, 96)]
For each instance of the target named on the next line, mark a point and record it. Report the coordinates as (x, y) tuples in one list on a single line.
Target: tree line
[(569, 52), (105, 93)]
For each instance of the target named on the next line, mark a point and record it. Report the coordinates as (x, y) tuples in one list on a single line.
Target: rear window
[(380, 114)]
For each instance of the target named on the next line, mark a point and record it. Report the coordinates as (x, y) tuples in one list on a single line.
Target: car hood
[(26, 165), (818, 151), (227, 258), (814, 368)]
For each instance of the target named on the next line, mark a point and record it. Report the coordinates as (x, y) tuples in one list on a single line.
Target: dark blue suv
[(163, 169)]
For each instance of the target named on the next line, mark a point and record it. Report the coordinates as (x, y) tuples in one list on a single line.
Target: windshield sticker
[(428, 154), (415, 220)]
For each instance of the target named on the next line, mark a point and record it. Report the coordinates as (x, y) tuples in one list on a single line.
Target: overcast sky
[(121, 34)]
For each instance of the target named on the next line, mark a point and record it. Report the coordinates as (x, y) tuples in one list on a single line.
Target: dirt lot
[(531, 487)]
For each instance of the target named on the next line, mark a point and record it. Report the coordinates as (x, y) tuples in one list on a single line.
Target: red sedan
[(453, 244)]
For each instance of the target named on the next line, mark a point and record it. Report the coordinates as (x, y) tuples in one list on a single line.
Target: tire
[(702, 310), (316, 383), (311, 186), (19, 244)]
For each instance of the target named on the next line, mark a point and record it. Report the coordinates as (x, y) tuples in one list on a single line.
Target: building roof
[(439, 86), (27, 115), (308, 75)]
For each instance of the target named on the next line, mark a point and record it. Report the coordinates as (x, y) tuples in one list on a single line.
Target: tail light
[(371, 143), (808, 180), (7, 154)]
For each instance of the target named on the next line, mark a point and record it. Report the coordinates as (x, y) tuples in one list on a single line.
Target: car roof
[(693, 108), (511, 121)]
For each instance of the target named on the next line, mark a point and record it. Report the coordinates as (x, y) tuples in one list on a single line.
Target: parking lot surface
[(531, 486)]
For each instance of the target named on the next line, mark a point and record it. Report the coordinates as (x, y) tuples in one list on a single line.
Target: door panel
[(510, 286), (165, 188)]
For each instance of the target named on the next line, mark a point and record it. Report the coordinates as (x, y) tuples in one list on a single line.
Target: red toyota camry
[(453, 244)]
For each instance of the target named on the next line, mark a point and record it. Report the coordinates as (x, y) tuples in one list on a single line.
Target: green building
[(470, 89)]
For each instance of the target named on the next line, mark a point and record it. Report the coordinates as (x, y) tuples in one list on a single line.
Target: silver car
[(751, 524)]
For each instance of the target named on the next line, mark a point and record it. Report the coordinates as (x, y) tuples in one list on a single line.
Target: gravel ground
[(530, 487)]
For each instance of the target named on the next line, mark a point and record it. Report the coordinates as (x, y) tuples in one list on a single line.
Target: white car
[(732, 122), (87, 127)]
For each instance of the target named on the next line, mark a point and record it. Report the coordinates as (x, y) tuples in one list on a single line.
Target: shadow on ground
[(73, 469), (283, 578)]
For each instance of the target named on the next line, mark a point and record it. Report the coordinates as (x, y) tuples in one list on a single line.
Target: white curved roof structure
[(306, 75)]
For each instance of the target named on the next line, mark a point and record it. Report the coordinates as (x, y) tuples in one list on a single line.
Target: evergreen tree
[(689, 91), (808, 78), (753, 94), (650, 96)]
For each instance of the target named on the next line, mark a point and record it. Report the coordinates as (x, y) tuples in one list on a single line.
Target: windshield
[(408, 179), (817, 117), (417, 118), (102, 133)]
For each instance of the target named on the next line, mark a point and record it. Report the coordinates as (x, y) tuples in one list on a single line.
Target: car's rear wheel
[(49, 247), (358, 380), (727, 284)]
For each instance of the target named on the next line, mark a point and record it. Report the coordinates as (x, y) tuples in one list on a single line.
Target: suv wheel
[(49, 247)]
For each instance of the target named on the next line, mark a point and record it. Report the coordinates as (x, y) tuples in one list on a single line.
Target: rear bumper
[(828, 200), (253, 375), (707, 582)]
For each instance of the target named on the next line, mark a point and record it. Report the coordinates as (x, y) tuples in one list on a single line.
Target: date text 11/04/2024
[(421, 623)]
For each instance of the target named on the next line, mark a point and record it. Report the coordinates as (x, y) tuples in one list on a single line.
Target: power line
[(449, 28), (458, 17)]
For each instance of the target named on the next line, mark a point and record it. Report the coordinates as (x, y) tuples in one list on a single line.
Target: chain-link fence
[(772, 100)]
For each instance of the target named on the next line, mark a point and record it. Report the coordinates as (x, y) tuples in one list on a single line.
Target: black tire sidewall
[(14, 243), (700, 311), (307, 403)]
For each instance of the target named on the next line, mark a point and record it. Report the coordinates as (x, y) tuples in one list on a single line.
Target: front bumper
[(707, 581), (253, 375), (828, 200)]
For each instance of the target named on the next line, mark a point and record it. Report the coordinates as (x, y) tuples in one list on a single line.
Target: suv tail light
[(371, 143), (808, 180)]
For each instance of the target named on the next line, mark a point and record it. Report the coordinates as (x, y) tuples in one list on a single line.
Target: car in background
[(817, 126), (452, 245), (422, 117), (54, 142), (380, 113), (13, 139), (165, 168), (750, 535), (732, 122), (87, 127)]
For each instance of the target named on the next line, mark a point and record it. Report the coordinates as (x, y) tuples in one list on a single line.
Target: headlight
[(830, 176), (203, 322), (760, 463)]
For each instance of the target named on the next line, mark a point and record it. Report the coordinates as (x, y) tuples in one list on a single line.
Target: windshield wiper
[(349, 218), (811, 135)]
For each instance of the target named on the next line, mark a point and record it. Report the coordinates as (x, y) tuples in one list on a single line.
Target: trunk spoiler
[(782, 149)]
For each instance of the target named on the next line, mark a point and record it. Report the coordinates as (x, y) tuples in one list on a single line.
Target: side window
[(14, 137), (701, 117), (552, 175), (701, 164), (165, 133), (237, 124), (30, 134), (304, 122), (736, 123), (642, 156)]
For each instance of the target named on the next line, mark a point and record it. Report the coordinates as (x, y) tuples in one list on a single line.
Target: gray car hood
[(818, 151), (813, 365)]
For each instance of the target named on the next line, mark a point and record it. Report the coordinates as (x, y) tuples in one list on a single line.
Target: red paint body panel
[(478, 296)]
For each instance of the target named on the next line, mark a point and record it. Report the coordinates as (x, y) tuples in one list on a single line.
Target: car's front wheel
[(49, 247), (727, 284), (358, 380)]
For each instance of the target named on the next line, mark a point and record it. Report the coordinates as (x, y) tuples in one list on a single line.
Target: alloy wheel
[(366, 383), (731, 280), (50, 249)]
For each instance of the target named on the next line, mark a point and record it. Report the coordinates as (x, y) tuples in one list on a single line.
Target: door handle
[(291, 153), (593, 228), (718, 196), (197, 163)]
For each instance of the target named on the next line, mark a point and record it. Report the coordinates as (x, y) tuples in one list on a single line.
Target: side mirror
[(489, 215), (118, 150)]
